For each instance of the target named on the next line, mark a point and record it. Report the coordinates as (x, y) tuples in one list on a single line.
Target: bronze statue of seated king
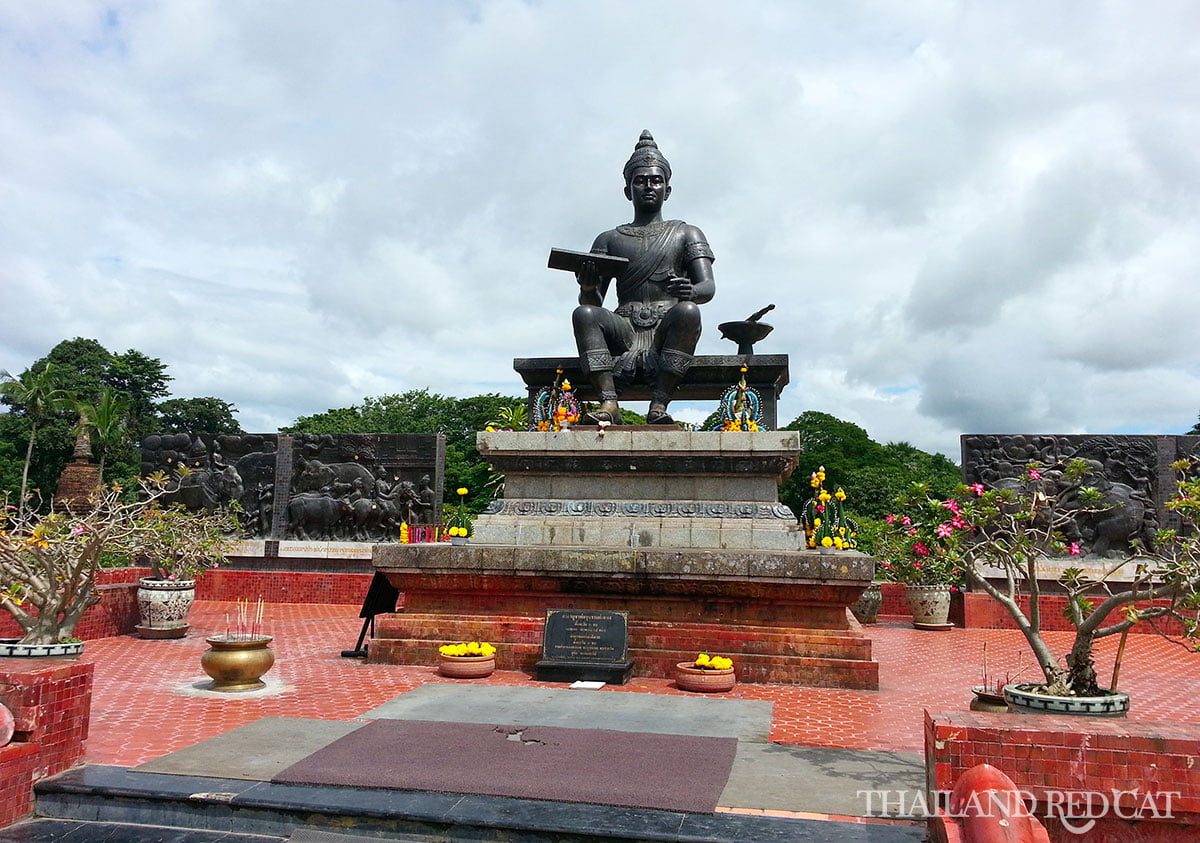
[(666, 273)]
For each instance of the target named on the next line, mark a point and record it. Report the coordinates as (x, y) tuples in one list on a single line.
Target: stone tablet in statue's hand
[(680, 287)]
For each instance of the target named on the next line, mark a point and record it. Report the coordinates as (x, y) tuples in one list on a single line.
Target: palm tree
[(39, 395), (107, 421)]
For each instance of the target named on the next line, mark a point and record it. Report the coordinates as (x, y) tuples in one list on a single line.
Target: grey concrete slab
[(254, 752), (764, 776), (819, 780), (746, 720)]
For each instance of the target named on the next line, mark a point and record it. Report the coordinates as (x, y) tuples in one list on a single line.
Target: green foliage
[(870, 530), (107, 423), (40, 395), (197, 415), (422, 411), (512, 417), (873, 475), (84, 369), (630, 417)]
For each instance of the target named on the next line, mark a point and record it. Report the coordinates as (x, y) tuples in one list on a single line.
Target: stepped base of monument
[(775, 655), (782, 616)]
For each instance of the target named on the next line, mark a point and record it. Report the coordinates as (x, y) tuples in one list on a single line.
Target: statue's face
[(648, 188)]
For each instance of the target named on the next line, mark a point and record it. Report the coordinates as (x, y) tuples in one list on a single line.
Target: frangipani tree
[(48, 565), (1003, 539)]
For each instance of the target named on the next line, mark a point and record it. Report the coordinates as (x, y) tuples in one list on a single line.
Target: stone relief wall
[(1133, 472), (312, 487)]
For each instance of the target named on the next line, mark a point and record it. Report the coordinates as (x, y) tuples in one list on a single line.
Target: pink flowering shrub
[(999, 539)]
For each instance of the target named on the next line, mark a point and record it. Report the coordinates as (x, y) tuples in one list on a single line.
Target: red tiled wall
[(1041, 753), (976, 610), (17, 764), (982, 612), (283, 586), (117, 612), (51, 702), (893, 599)]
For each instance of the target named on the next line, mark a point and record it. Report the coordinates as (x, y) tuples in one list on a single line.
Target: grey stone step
[(81, 831), (109, 795)]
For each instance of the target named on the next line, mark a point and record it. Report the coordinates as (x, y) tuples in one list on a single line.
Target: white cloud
[(971, 217)]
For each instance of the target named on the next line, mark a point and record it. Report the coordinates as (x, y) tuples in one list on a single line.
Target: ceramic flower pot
[(237, 662), (9, 648), (1022, 699), (929, 604), (866, 607), (466, 667), (163, 606), (688, 677)]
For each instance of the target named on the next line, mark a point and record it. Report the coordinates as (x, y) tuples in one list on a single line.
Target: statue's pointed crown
[(646, 154)]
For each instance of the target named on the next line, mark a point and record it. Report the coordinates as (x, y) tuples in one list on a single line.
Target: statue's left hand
[(680, 287)]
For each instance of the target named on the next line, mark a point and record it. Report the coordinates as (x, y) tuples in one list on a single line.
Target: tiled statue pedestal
[(682, 530)]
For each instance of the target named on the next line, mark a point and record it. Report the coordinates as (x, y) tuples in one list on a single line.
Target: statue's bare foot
[(657, 414), (608, 411)]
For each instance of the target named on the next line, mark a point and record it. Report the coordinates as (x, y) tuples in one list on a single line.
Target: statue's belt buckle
[(643, 315)]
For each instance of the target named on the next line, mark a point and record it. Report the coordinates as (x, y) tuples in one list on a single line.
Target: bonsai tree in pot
[(49, 564), (1004, 538)]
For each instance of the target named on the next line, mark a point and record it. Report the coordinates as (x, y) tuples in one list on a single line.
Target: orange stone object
[(466, 667), (691, 678)]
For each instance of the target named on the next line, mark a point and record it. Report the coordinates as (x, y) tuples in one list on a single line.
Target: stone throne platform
[(682, 530)]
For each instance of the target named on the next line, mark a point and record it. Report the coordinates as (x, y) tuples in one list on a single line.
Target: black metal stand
[(381, 599)]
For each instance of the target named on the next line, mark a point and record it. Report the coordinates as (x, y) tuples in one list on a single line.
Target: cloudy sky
[(971, 216)]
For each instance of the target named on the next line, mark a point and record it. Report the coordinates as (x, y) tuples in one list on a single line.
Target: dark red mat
[(602, 767)]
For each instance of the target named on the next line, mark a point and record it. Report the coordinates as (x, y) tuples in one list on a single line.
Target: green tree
[(38, 394), (144, 381), (85, 368), (872, 475), (197, 415), (1195, 431), (107, 421)]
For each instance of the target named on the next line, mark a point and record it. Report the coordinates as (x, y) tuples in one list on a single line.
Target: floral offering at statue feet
[(825, 522), (740, 407)]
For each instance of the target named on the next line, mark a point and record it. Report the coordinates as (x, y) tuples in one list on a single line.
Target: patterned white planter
[(1021, 699), (163, 605), (9, 648), (866, 607), (929, 604)]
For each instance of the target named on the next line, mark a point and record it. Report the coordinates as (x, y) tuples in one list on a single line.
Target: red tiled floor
[(140, 709)]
